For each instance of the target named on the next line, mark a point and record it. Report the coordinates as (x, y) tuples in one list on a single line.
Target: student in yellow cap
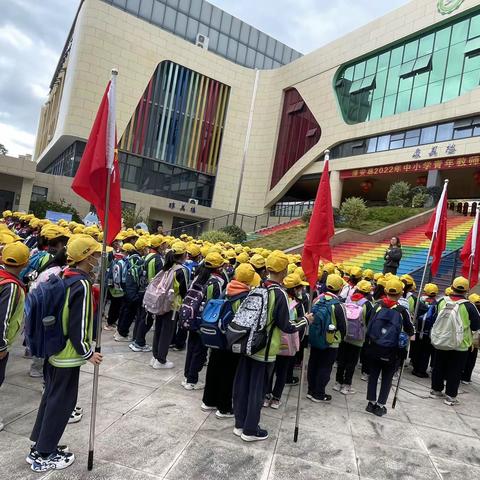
[(62, 370), (209, 281), (254, 370), (384, 335), (451, 358), (355, 275), (13, 259), (259, 264), (427, 313), (473, 352), (327, 331), (166, 323)]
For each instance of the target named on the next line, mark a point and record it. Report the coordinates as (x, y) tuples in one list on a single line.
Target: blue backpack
[(385, 328), (322, 319), (43, 316), (32, 266), (217, 315), (427, 320)]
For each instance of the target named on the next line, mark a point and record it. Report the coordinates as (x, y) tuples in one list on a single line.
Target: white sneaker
[(436, 394), (78, 410), (162, 366), (222, 416), (348, 390), (275, 404), (184, 382), (238, 432), (55, 461), (338, 387), (136, 348), (206, 408), (152, 361), (364, 377), (2, 425), (194, 386), (451, 401), (118, 338), (75, 417), (466, 382)]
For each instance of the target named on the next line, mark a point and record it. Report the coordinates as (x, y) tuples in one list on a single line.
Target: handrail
[(452, 257)]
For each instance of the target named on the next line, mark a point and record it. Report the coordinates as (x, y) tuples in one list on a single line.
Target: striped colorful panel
[(414, 246), (179, 119)]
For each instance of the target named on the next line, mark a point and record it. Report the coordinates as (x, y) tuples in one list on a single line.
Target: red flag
[(437, 230), (90, 182), (470, 250), (320, 230)]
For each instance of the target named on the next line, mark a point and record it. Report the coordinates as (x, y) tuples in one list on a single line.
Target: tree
[(237, 233), (215, 236), (399, 195), (354, 211), (131, 217), (3, 150), (39, 208)]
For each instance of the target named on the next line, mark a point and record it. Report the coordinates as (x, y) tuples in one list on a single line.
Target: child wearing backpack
[(325, 334), (290, 342), (387, 334), (209, 282), (427, 313), (358, 310), (116, 277), (452, 337), (62, 370), (473, 352), (355, 276), (254, 369), (165, 323), (14, 257)]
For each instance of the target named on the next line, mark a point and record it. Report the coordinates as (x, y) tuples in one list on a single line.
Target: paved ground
[(149, 427)]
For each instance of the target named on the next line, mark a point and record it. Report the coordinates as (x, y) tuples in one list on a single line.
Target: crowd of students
[(246, 314)]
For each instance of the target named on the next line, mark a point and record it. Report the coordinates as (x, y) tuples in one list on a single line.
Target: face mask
[(95, 271)]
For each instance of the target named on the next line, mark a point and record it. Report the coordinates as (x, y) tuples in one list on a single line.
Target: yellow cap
[(474, 298), (407, 279), (156, 240), (245, 273), (258, 261), (193, 250), (291, 268), (356, 272), (15, 254), (81, 248), (394, 286), (377, 276), (141, 243), (448, 291), (7, 213), (329, 268), (334, 282), (368, 274), (293, 281), (214, 260), (277, 262), (364, 286), (431, 289), (5, 239), (382, 281), (128, 247), (299, 271), (179, 248), (461, 284), (243, 257), (230, 254)]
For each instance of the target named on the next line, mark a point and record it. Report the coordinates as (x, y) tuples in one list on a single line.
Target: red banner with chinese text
[(465, 161)]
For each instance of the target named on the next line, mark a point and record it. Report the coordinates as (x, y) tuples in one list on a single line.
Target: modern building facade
[(396, 99)]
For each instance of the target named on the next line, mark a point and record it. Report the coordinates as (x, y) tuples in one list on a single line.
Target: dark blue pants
[(57, 404), (128, 313), (320, 367), (162, 337), (114, 310), (143, 325), (469, 366), (196, 356), (3, 367), (283, 364), (421, 353), (248, 393), (346, 362), (387, 369), (447, 371), (180, 337)]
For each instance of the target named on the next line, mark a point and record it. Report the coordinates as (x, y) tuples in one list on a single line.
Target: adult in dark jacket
[(392, 257)]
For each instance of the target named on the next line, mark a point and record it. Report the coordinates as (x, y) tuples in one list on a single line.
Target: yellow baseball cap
[(448, 291), (407, 280), (377, 276), (245, 273), (258, 261), (394, 286), (368, 274), (128, 247), (142, 243), (179, 248), (461, 284), (193, 250), (214, 260), (291, 268), (243, 257), (82, 247), (15, 254), (230, 254), (431, 289), (7, 213), (356, 272), (293, 281), (364, 286), (329, 268), (299, 271), (334, 282), (277, 261), (156, 240), (474, 298)]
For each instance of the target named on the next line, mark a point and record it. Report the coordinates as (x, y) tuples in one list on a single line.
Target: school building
[(213, 114)]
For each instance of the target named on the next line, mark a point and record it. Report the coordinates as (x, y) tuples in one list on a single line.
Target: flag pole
[(415, 313), (101, 307), (473, 248)]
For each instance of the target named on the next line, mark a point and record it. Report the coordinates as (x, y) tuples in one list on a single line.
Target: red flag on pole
[(470, 254), (320, 230), (90, 181), (437, 230)]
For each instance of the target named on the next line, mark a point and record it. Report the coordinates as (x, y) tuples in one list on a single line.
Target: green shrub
[(131, 217), (419, 200), (215, 236), (306, 217), (40, 208), (354, 211), (399, 195), (391, 215), (237, 233)]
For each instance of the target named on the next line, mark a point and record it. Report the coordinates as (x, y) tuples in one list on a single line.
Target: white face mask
[(95, 271)]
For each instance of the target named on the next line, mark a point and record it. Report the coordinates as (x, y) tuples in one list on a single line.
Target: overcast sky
[(33, 32)]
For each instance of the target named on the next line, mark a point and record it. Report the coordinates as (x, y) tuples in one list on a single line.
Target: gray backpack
[(448, 330)]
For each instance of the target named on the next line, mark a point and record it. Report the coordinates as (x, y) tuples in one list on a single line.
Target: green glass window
[(434, 67)]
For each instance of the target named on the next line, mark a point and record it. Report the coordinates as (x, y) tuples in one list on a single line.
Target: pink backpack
[(159, 296), (290, 342)]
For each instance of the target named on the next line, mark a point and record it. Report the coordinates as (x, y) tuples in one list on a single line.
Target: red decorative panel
[(299, 132)]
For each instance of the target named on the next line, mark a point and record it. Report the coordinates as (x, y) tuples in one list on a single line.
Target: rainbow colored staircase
[(414, 245)]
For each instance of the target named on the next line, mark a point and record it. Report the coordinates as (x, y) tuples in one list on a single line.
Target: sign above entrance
[(414, 167), (445, 7)]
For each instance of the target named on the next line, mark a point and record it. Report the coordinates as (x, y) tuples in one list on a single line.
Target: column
[(336, 186), (25, 195)]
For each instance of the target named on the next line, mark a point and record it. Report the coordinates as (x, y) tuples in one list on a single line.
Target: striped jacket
[(77, 321)]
